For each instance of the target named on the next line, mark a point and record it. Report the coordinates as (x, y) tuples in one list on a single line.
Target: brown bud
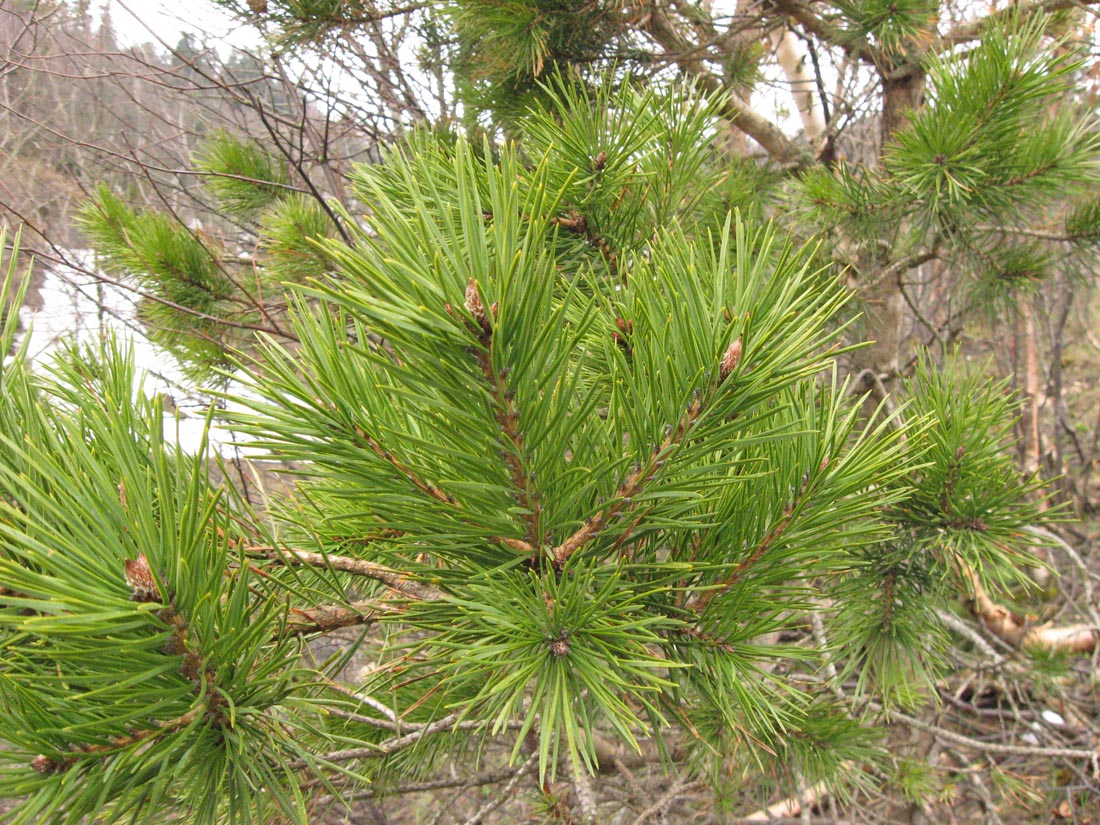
[(191, 668), (959, 453), (258, 6), (139, 576), (574, 222), (43, 764), (559, 645), (730, 360), (599, 161), (475, 306), (174, 646)]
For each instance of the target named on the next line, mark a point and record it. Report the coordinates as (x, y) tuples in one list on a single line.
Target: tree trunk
[(883, 306)]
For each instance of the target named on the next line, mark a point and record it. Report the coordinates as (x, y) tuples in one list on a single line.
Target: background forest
[(664, 412)]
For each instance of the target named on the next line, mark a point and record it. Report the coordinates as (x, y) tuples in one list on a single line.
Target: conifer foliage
[(573, 457)]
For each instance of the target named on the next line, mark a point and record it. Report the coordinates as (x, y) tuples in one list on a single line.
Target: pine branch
[(699, 603), (637, 480), (419, 732), (46, 764), (477, 780), (631, 486), (578, 224), (144, 589), (505, 794), (974, 29), (1090, 756), (358, 567), (816, 24), (426, 487), (780, 147), (515, 453), (327, 618)]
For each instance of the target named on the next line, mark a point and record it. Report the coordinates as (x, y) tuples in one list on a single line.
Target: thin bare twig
[(505, 793)]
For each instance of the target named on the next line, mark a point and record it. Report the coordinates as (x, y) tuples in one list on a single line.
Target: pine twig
[(477, 780), (358, 567), (506, 414), (423, 486), (667, 798), (329, 617), (1091, 756), (505, 793), (631, 486)]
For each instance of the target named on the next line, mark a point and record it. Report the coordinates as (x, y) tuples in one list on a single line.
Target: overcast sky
[(144, 21)]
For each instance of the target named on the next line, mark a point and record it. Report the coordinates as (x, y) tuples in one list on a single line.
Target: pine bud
[(730, 360), (599, 161), (573, 221), (43, 764), (475, 307), (139, 576), (559, 645), (258, 6)]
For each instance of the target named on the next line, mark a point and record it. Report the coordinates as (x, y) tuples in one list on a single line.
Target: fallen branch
[(790, 807), (1017, 629)]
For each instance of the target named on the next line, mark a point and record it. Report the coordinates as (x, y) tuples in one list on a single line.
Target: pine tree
[(572, 455), (579, 458)]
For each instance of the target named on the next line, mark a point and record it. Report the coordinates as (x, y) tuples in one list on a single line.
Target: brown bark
[(1032, 446), (902, 92)]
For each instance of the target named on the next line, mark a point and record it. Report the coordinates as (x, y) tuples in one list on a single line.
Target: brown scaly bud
[(44, 764), (730, 360), (574, 222), (959, 453), (475, 306), (599, 161), (258, 6), (622, 336), (191, 667), (176, 644), (139, 576), (559, 645)]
